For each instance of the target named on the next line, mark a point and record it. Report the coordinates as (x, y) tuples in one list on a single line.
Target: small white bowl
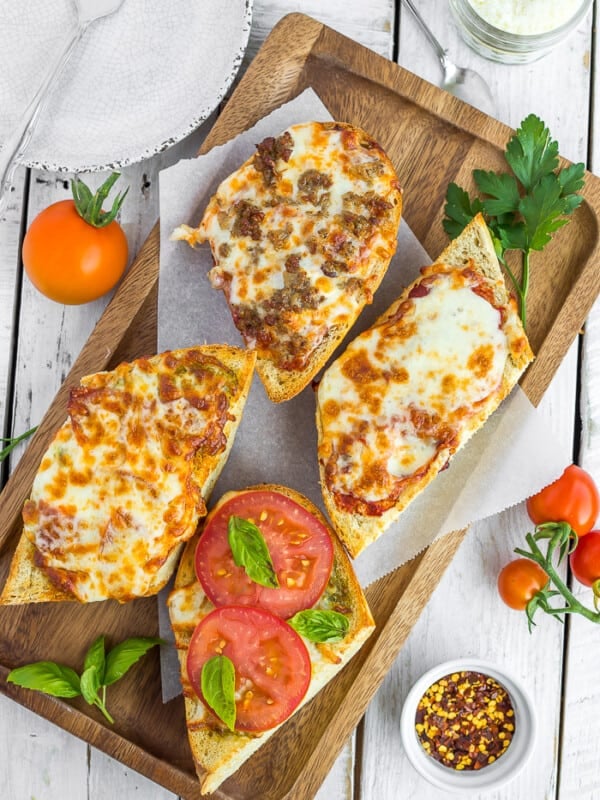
[(505, 768)]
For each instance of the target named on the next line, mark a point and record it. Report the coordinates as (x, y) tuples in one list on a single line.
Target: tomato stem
[(89, 206), (560, 535)]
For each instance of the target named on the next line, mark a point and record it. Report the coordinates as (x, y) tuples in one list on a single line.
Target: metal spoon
[(14, 147), (464, 83)]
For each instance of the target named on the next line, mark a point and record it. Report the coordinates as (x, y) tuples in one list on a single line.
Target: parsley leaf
[(524, 207), (531, 153)]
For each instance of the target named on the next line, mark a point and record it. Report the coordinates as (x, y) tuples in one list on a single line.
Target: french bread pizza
[(301, 235), (266, 610), (123, 484), (409, 392)]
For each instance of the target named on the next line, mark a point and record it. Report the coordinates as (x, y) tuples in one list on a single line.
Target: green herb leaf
[(96, 657), (217, 681), (122, 657), (502, 189), (571, 180), (459, 210), (48, 677), (14, 441), (320, 626), (542, 210), (531, 153), (250, 551), (90, 683)]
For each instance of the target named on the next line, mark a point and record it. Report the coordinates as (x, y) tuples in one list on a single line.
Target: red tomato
[(69, 260), (573, 498), (585, 559), (272, 665), (519, 580), (299, 544)]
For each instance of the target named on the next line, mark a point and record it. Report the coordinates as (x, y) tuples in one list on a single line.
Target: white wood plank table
[(39, 341)]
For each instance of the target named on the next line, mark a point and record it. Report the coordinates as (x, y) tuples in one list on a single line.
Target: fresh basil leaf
[(250, 551), (96, 657), (217, 681), (125, 655), (90, 683), (320, 626), (48, 677)]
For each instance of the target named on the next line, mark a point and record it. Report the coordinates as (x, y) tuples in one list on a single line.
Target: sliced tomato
[(272, 665), (299, 544)]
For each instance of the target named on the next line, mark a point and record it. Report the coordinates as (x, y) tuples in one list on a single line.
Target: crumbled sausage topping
[(465, 720), (268, 153), (247, 220)]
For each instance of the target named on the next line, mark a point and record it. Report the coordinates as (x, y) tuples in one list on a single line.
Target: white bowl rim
[(493, 775)]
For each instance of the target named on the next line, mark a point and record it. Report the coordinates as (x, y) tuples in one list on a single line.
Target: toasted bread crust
[(219, 752), (29, 583), (473, 247)]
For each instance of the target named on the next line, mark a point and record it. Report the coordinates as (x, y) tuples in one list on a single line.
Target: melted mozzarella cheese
[(310, 225), (115, 496), (401, 389)]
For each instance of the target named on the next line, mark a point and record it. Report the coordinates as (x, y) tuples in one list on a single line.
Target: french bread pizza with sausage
[(406, 394), (301, 235), (124, 482), (266, 610)]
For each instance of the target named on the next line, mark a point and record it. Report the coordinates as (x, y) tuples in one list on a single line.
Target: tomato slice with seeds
[(300, 546), (272, 665)]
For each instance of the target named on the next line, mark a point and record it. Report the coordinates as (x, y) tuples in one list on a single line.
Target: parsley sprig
[(524, 207)]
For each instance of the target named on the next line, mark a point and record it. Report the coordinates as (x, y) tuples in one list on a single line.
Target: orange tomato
[(68, 259), (519, 581)]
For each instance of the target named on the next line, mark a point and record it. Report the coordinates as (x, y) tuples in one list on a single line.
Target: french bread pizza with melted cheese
[(301, 235), (409, 392), (281, 640), (124, 482)]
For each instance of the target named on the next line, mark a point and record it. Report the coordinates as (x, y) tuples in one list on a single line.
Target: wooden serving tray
[(432, 138)]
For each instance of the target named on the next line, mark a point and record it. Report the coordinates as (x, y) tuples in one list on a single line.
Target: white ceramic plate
[(138, 82)]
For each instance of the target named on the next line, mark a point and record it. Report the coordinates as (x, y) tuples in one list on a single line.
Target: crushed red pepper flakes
[(465, 720)]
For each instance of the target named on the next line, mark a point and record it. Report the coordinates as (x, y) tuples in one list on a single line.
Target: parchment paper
[(276, 443)]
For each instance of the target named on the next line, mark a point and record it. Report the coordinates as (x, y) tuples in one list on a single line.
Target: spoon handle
[(17, 142), (441, 53)]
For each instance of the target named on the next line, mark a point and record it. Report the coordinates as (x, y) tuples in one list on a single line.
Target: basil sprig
[(218, 688), (100, 669), (250, 551), (320, 626)]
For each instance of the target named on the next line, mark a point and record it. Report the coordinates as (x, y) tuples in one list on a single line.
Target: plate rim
[(149, 152)]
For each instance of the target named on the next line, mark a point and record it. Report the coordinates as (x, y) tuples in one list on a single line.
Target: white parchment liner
[(276, 443)]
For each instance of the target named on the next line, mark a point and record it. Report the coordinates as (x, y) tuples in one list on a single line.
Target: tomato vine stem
[(563, 538)]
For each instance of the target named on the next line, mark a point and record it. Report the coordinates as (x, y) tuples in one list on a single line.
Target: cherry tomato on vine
[(74, 251), (573, 498), (519, 581), (585, 559)]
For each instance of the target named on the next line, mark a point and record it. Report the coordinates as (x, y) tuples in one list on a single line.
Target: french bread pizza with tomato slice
[(124, 482), (266, 610)]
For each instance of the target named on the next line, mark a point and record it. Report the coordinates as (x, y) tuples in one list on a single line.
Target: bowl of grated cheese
[(517, 31)]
